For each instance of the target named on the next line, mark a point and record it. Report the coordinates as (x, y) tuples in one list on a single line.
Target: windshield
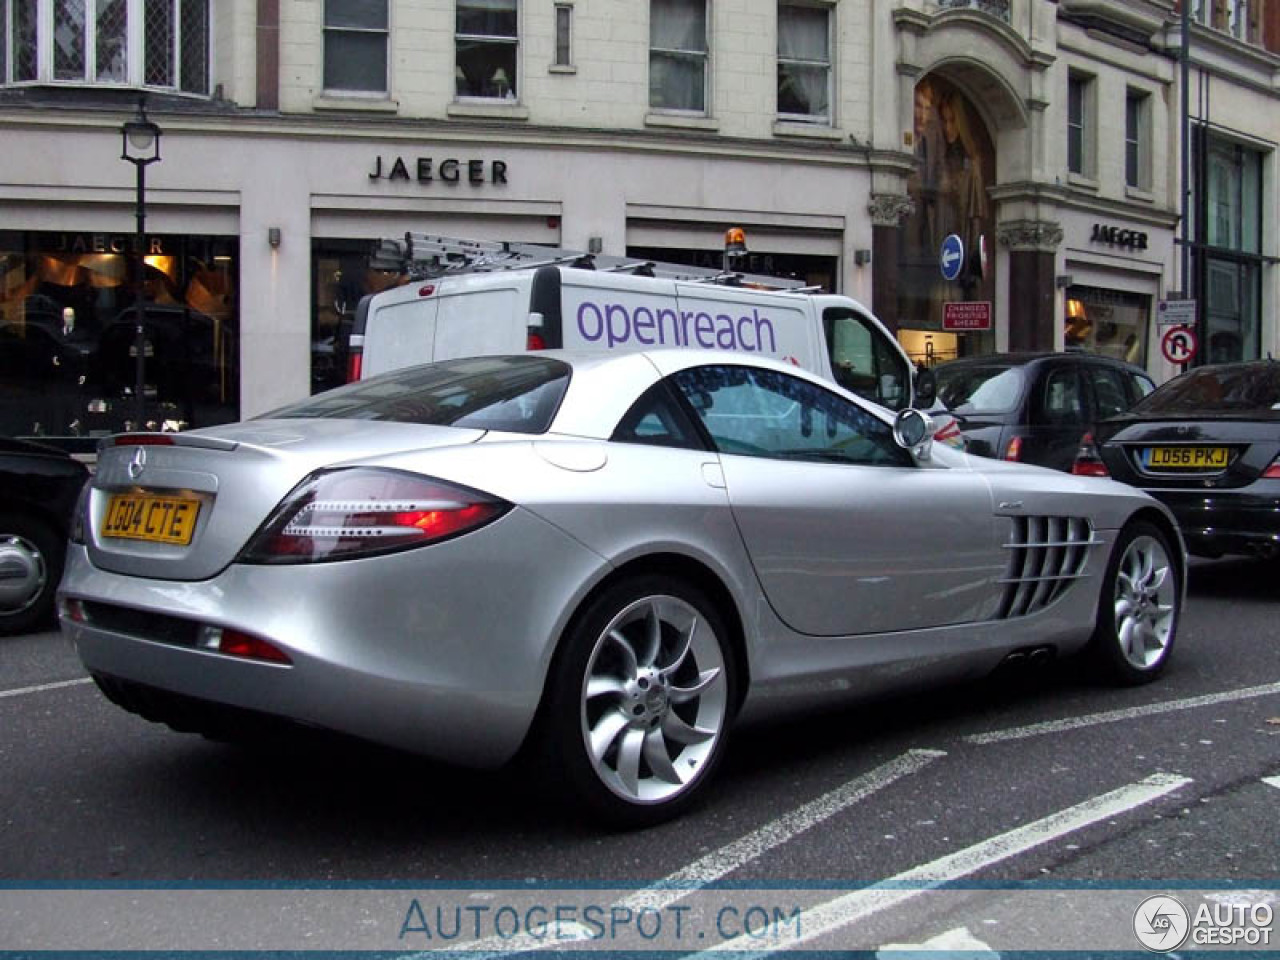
[(970, 388), (1230, 388), (518, 394)]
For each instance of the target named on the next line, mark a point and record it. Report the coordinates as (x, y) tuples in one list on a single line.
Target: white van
[(574, 307)]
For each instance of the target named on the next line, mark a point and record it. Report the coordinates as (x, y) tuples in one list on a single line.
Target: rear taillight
[(142, 440), (1013, 451), (234, 643), (79, 516), (1273, 472), (355, 364), (535, 342), (1088, 462), (363, 512)]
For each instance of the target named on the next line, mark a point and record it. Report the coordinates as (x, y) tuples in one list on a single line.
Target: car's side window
[(1062, 401), (766, 413), (1109, 393), (862, 362), (657, 419)]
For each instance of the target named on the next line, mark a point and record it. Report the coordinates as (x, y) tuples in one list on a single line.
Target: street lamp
[(141, 146)]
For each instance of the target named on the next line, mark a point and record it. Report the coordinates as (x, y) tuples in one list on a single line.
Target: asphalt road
[(1020, 785)]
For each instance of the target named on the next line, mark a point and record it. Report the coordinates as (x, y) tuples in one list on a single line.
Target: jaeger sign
[(1118, 237), (428, 170)]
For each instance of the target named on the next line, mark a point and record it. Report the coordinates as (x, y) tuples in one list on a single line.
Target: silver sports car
[(606, 560)]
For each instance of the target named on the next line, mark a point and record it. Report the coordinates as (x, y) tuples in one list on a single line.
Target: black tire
[(1138, 607), (31, 558), (660, 716)]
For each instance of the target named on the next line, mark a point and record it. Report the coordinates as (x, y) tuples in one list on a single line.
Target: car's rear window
[(519, 394), (1233, 388), (974, 388)]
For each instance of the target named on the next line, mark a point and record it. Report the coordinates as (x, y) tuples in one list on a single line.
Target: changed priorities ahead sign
[(967, 315)]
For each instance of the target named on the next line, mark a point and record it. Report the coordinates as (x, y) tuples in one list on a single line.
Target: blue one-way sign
[(951, 257)]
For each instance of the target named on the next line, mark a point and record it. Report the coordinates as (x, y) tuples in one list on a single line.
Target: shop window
[(1137, 139), (355, 46), (341, 277), (487, 42), (68, 333), (94, 41), (1079, 124), (678, 55), (804, 63), (1110, 322)]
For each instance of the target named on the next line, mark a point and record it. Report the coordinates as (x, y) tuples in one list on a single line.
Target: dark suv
[(1035, 407)]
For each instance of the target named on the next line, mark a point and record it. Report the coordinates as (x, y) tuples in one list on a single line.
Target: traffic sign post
[(1179, 345)]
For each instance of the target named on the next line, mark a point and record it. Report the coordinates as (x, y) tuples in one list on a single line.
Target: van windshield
[(517, 394), (974, 388)]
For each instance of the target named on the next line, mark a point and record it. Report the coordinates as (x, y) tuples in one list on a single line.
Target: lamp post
[(140, 146)]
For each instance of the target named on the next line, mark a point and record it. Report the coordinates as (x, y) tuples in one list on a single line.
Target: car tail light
[(1013, 451), (1088, 462), (535, 342), (355, 365), (234, 643), (79, 516), (1273, 472), (362, 512), (142, 440)]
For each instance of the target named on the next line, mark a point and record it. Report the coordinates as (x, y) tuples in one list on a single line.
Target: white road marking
[(1272, 782), (736, 854), (957, 940), (40, 688), (1114, 716), (860, 904)]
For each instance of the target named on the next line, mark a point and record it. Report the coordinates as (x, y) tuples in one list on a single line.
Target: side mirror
[(913, 430), (926, 388)]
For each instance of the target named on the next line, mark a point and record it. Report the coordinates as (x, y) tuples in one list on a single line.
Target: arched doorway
[(954, 170)]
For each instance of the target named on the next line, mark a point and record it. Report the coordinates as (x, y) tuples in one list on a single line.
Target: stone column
[(1032, 248), (887, 210)]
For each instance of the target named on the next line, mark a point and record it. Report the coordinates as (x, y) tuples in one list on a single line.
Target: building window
[(1137, 126), (564, 35), (678, 55), (1228, 252), (1079, 118), (153, 43), (355, 46), (804, 63), (487, 41)]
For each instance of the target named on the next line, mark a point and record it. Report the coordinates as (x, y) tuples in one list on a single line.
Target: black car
[(1207, 443), (39, 486), (1035, 407)]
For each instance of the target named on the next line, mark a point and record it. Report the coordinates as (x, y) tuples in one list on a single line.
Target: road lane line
[(40, 688), (1272, 782), (860, 904), (1129, 713), (718, 863)]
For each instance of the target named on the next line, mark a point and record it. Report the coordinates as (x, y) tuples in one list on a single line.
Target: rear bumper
[(1216, 523)]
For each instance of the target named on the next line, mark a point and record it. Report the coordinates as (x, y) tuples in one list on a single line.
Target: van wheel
[(31, 558), (1138, 608), (641, 700)]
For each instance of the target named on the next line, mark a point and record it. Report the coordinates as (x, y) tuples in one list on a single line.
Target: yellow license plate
[(142, 516), (1187, 458)]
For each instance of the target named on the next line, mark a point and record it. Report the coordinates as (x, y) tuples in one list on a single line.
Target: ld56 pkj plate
[(1186, 458), (141, 516)]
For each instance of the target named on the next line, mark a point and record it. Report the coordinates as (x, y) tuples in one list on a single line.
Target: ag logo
[(1161, 923)]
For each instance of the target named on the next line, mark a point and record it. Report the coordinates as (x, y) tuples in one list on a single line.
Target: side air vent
[(1046, 556)]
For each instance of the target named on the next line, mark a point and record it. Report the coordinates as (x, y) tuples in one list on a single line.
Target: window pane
[(24, 39), (676, 82), (802, 90), (678, 25), (360, 14), (68, 40), (158, 23), (1251, 201), (487, 18), (355, 61), (112, 41), (564, 22), (195, 46), (802, 33)]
